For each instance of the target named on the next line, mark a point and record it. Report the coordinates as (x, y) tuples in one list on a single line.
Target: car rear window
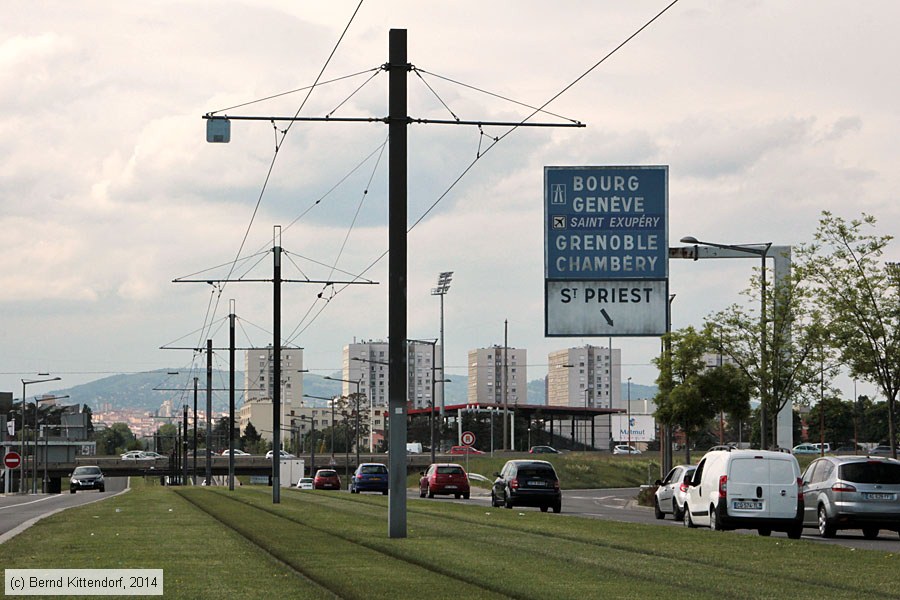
[(326, 473), (449, 470), (542, 471), (373, 469), (870, 472)]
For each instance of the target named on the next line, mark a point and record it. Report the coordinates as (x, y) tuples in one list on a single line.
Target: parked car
[(135, 455), (284, 454), (805, 449), (883, 450), (852, 492), (852, 448), (543, 450), (305, 483), (826, 445), (746, 489), (464, 450), (527, 483), (444, 478), (149, 454), (327, 479), (86, 478), (625, 449), (369, 477), (671, 492)]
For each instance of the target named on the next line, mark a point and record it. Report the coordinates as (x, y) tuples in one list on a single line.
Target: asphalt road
[(18, 512), (620, 505)]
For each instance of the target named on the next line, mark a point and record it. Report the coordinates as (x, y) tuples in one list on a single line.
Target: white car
[(623, 449), (284, 455), (152, 455), (135, 455), (671, 492), (305, 483), (236, 452)]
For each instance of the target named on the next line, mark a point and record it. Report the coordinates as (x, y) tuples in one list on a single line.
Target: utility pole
[(231, 318), (208, 412)]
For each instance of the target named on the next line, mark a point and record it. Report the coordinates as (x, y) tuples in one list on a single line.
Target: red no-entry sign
[(467, 438), (12, 460)]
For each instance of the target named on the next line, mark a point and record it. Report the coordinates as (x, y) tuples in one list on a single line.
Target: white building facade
[(259, 381), (490, 368), (586, 376)]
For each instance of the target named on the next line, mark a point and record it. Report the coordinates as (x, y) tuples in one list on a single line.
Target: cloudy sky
[(766, 113)]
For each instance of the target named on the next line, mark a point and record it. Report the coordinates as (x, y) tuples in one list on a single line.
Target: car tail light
[(840, 486), (799, 488), (514, 483), (723, 485), (556, 484)]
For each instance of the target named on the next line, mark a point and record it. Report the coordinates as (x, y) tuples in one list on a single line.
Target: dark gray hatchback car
[(527, 483), (852, 492)]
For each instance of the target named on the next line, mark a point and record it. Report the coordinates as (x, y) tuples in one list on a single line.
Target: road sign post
[(12, 460)]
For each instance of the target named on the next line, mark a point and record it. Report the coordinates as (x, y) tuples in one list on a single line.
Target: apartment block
[(367, 363), (490, 367), (259, 382), (585, 376)]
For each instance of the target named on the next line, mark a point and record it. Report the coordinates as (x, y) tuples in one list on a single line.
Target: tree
[(116, 439), (727, 390), (679, 400), (837, 417), (789, 365), (166, 436), (861, 299), (251, 440)]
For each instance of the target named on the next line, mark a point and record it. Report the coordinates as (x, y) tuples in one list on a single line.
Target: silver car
[(670, 492), (852, 492)]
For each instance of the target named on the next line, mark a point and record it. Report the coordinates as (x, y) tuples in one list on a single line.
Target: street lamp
[(762, 251), (443, 286), (34, 454), (356, 383)]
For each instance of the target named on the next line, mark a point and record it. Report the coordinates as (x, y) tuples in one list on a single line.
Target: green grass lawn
[(212, 543)]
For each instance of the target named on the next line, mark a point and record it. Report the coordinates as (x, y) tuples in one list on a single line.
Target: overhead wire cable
[(294, 91), (498, 139), (354, 92), (275, 155)]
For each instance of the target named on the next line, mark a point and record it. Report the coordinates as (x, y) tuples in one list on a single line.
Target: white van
[(746, 489)]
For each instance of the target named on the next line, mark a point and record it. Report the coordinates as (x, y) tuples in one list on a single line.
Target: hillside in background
[(147, 391)]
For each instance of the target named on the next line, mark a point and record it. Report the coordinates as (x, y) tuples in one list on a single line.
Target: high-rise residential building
[(259, 381), (585, 376), (367, 363), (486, 375)]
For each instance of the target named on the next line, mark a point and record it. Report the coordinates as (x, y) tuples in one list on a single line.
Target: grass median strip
[(152, 528)]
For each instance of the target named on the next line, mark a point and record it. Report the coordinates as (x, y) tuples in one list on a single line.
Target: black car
[(87, 478), (527, 483)]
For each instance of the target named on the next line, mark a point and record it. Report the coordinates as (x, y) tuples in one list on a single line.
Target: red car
[(327, 479), (464, 450), (444, 478)]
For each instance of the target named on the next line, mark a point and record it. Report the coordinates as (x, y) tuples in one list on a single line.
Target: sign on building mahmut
[(606, 251)]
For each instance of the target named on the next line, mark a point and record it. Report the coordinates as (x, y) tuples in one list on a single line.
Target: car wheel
[(870, 533), (508, 502), (71, 491), (677, 513), (456, 496), (466, 496), (557, 508), (688, 521), (430, 492), (657, 511), (795, 532), (765, 531), (544, 508), (826, 526), (714, 523), (494, 502), (102, 488), (421, 493)]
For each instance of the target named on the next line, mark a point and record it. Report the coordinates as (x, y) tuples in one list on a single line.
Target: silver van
[(746, 489)]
